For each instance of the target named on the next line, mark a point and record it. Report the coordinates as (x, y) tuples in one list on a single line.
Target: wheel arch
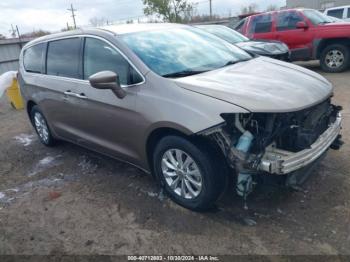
[(158, 133), (30, 105), (321, 44)]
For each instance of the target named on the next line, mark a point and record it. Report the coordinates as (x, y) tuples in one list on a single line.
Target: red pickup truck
[(308, 33)]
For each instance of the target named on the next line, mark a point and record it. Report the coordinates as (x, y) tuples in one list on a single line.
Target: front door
[(299, 40), (105, 122)]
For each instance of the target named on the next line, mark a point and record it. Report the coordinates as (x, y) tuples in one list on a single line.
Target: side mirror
[(302, 25), (107, 80)]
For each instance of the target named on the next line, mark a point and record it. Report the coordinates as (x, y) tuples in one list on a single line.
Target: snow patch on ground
[(47, 160), (87, 166), (9, 195), (25, 139), (45, 163), (46, 182)]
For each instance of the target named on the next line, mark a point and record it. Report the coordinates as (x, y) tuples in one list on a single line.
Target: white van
[(341, 12)]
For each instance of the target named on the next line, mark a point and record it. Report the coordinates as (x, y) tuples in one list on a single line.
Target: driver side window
[(288, 21), (100, 56)]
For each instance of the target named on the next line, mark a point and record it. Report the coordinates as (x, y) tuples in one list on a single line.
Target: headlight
[(285, 47)]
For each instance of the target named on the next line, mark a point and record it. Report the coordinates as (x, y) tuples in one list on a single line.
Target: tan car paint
[(121, 128)]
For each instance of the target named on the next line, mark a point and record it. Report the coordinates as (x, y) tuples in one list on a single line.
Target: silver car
[(180, 103)]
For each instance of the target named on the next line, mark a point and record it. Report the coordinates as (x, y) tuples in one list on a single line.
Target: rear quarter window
[(239, 27), (33, 58), (261, 24), (338, 13), (63, 58)]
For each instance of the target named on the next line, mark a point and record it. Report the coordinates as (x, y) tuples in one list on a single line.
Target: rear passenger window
[(100, 56), (63, 58), (348, 12), (338, 13), (261, 24), (288, 20), (239, 26), (33, 58)]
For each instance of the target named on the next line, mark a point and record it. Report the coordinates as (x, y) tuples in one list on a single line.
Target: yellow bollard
[(14, 95)]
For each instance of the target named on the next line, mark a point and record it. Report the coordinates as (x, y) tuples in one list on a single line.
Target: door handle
[(81, 96), (69, 93)]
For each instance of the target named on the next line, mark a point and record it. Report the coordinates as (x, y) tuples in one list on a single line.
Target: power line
[(73, 15)]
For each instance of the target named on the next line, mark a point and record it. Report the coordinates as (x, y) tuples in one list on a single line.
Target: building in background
[(316, 4)]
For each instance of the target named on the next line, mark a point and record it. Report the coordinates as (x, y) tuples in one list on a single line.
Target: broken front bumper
[(280, 162)]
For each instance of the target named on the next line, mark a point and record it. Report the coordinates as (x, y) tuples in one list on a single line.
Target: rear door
[(261, 27), (298, 40), (62, 73)]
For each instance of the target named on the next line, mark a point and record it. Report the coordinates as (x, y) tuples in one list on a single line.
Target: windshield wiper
[(184, 73)]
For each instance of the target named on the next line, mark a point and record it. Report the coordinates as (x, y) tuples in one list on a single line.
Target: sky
[(52, 15)]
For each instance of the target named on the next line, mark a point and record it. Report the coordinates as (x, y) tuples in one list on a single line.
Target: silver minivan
[(181, 104)]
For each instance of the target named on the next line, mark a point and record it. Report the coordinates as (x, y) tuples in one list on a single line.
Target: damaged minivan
[(181, 104)]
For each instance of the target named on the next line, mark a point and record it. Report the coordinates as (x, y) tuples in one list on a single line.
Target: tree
[(272, 8), (252, 8), (97, 21), (35, 33), (169, 10)]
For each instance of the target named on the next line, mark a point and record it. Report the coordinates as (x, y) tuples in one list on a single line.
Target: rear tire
[(190, 174), (41, 127), (335, 58)]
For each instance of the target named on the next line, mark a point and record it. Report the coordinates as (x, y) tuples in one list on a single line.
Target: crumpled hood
[(261, 85), (262, 47)]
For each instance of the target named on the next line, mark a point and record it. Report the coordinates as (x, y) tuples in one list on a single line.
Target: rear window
[(239, 26), (63, 58), (338, 13), (261, 24), (288, 20), (33, 58), (348, 12)]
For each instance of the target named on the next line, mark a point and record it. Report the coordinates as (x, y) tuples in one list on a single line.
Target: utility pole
[(211, 9), (19, 37), (13, 31), (71, 9)]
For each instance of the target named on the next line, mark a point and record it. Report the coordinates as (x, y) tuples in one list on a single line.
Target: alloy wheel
[(335, 58), (41, 127), (181, 173)]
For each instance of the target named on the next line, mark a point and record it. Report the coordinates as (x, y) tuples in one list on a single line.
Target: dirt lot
[(69, 200)]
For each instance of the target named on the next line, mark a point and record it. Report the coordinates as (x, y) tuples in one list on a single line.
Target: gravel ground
[(67, 200)]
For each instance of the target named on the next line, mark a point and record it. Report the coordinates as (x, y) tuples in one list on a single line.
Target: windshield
[(317, 17), (225, 33), (181, 51)]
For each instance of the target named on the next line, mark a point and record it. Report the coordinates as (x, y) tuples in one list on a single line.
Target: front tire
[(41, 127), (335, 58), (190, 174)]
